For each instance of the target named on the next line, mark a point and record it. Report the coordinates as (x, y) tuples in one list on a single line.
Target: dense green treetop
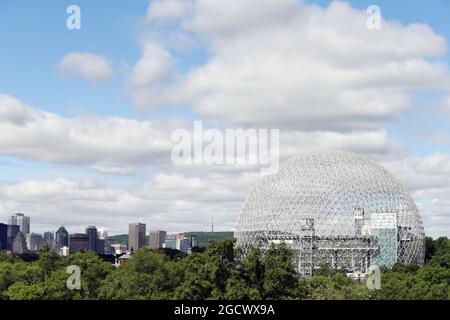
[(218, 272)]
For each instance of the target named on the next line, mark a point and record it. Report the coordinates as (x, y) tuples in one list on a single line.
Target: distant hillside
[(120, 238), (203, 237)]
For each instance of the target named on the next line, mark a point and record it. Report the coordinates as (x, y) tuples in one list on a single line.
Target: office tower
[(157, 239), (384, 226), (171, 241), (194, 241), (91, 232), (183, 243), (61, 238), (49, 237), (12, 232), (19, 244), (34, 241), (100, 246), (78, 242), (103, 243), (102, 234), (136, 236), (3, 236), (19, 219)]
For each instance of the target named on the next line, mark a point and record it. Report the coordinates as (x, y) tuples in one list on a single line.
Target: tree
[(24, 291), (280, 277), (93, 272)]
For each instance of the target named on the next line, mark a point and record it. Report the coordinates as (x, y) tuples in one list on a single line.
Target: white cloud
[(225, 18), (182, 200), (284, 64), (172, 201), (316, 73), (428, 179), (152, 66), (89, 66), (168, 9), (422, 175), (14, 111), (375, 143), (108, 144)]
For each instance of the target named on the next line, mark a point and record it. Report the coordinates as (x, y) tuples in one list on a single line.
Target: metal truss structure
[(334, 207)]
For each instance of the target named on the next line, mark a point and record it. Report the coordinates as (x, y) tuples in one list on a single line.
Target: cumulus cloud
[(286, 64), (316, 73), (109, 144), (152, 66), (168, 9), (182, 200), (375, 144), (92, 67), (428, 179), (170, 201), (173, 198)]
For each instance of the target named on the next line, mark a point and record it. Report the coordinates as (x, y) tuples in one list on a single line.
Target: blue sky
[(34, 40), (35, 34)]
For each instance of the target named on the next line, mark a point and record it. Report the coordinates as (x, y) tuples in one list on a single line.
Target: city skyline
[(86, 118), (81, 229), (16, 237)]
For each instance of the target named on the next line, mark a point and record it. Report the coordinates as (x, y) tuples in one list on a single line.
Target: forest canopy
[(218, 272)]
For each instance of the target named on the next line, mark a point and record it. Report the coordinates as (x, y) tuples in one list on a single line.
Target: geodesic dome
[(334, 207)]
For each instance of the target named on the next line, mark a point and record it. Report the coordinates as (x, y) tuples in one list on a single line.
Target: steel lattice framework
[(334, 207)]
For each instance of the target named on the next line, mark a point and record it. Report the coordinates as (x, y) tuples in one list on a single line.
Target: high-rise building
[(34, 241), (136, 236), (61, 238), (49, 237), (157, 239), (91, 232), (103, 243), (171, 241), (3, 236), (19, 219), (194, 241), (78, 242), (100, 246), (183, 243), (19, 244), (12, 232), (102, 234)]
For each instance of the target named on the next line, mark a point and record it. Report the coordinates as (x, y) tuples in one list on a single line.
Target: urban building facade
[(12, 232), (49, 237), (3, 236), (61, 238), (157, 239), (19, 245), (34, 241), (91, 232), (78, 242), (171, 241), (19, 219), (136, 236), (194, 241), (119, 248), (100, 246)]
